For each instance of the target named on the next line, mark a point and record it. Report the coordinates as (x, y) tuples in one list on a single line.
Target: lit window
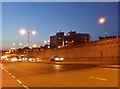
[(59, 38), (72, 41)]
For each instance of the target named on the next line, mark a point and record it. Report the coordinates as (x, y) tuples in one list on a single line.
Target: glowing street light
[(16, 45), (48, 41), (45, 42), (34, 46), (24, 32), (28, 33), (13, 43), (102, 20), (20, 44), (33, 32)]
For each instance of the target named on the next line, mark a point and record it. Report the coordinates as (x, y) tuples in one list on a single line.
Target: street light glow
[(48, 41), (33, 32), (45, 42), (20, 44), (13, 43), (22, 31), (102, 20), (34, 45)]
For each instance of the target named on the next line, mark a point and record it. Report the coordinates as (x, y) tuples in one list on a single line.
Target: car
[(4, 59), (33, 59), (55, 58), (38, 59), (14, 59)]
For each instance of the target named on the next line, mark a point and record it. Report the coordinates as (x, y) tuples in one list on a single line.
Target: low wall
[(99, 51)]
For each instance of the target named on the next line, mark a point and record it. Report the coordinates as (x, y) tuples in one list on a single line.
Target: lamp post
[(28, 33), (16, 45), (102, 20)]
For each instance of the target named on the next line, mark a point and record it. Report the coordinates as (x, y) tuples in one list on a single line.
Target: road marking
[(26, 87), (10, 74), (20, 82), (2, 67), (98, 78), (13, 76), (7, 71)]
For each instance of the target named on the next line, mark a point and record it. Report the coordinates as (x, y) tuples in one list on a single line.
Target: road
[(26, 74)]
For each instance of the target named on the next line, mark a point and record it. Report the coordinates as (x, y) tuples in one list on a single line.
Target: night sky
[(47, 18)]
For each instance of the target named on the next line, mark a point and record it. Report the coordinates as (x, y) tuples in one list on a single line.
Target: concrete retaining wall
[(100, 51)]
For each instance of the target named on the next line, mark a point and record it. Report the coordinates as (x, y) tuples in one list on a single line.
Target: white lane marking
[(98, 78), (19, 81), (2, 67), (10, 74), (13, 76), (6, 71), (26, 87)]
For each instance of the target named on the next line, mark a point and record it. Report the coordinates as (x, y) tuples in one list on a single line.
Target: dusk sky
[(47, 18)]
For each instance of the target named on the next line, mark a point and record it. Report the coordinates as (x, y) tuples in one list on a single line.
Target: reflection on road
[(57, 67)]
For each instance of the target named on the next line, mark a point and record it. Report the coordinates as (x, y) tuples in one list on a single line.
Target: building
[(72, 38), (57, 40)]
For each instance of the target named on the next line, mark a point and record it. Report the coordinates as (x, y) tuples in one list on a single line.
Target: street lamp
[(33, 32), (45, 42), (13, 43), (20, 44), (34, 46), (102, 20), (24, 32), (16, 45), (28, 33)]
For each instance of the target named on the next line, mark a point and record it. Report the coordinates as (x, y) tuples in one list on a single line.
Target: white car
[(55, 58), (14, 59)]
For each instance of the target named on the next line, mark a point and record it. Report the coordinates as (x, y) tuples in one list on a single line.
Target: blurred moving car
[(55, 58), (14, 59), (31, 59), (4, 59), (38, 59)]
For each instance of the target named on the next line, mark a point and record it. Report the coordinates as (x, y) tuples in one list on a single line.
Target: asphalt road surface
[(26, 74)]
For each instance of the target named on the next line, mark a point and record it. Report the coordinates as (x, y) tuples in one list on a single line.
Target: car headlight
[(13, 59), (30, 59), (57, 59), (61, 59)]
